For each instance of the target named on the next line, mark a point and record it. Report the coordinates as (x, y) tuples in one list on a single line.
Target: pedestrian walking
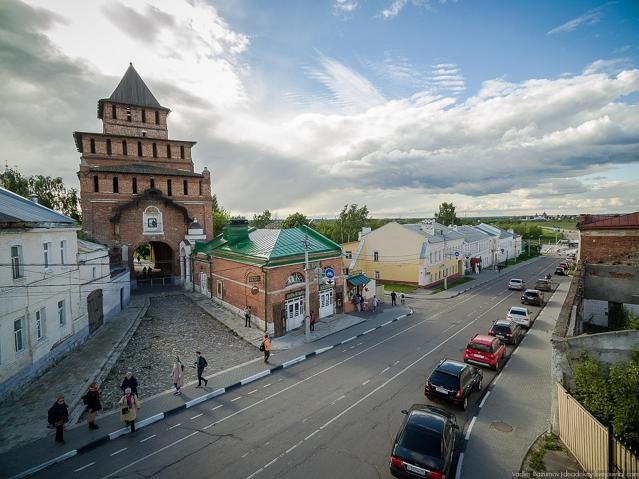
[(312, 320), (177, 375), (92, 401), (375, 301), (266, 347), (247, 317), (499, 268), (402, 298), (200, 364), (131, 382), (393, 298), (58, 415), (129, 406), (361, 302)]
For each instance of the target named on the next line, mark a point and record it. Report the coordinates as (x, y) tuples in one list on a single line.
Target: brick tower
[(136, 185)]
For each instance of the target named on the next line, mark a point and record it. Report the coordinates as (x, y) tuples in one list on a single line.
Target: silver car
[(518, 284), (520, 316)]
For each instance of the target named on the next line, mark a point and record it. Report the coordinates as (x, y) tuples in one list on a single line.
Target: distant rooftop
[(15, 209), (592, 222)]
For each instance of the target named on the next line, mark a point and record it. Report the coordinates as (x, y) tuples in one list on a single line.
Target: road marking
[(323, 350), (496, 379), (271, 463), (255, 473), (385, 370), (481, 404), (470, 427), (352, 347), (386, 323), (251, 392), (338, 399), (267, 385), (84, 467), (344, 350), (195, 417), (118, 452), (217, 407), (459, 466), (293, 447), (239, 397), (366, 382), (349, 339), (176, 425), (359, 344), (305, 419), (244, 455), (369, 330), (311, 434), (147, 438), (298, 359), (396, 363)]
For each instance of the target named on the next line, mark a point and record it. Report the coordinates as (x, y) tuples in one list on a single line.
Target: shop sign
[(324, 287), (255, 279), (295, 294)]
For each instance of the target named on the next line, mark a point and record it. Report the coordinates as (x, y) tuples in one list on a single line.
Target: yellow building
[(422, 254)]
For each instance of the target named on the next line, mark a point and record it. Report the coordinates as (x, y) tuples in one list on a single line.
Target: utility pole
[(307, 298)]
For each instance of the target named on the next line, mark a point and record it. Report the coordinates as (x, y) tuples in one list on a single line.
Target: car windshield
[(445, 380), (501, 328), (518, 311), (534, 294), (479, 347), (422, 441), (516, 281)]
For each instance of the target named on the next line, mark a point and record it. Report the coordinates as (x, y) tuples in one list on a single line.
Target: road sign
[(329, 272), (456, 254)]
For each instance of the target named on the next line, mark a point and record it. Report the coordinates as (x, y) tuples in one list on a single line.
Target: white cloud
[(396, 6), (342, 7), (589, 18)]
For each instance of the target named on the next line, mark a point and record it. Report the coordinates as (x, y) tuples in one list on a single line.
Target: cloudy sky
[(500, 107)]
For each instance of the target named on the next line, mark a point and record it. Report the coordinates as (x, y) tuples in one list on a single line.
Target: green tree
[(220, 216), (214, 203), (325, 227), (447, 215), (295, 221), (350, 222), (50, 191), (260, 221)]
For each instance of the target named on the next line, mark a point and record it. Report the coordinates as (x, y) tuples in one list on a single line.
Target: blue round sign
[(456, 254), (329, 272)]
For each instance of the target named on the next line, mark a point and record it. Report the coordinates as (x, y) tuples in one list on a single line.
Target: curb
[(194, 402)]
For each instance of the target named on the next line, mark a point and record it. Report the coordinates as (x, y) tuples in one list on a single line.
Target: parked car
[(453, 381), (520, 316), (425, 443), (518, 284), (560, 271), (564, 265), (543, 284), (485, 351), (533, 296), (508, 331)]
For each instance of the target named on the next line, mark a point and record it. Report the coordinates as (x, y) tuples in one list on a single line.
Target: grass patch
[(399, 288), (536, 462), (440, 288)]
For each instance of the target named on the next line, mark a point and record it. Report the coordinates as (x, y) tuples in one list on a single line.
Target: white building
[(506, 245), (44, 288), (477, 248)]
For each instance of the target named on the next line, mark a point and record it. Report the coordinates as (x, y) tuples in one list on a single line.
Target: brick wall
[(117, 151), (121, 126), (604, 245)]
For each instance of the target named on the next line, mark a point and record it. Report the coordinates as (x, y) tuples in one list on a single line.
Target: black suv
[(508, 331), (533, 296), (425, 443), (453, 381)]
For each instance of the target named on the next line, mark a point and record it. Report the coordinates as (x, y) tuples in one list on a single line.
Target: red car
[(485, 350)]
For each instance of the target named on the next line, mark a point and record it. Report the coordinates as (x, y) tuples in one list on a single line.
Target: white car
[(518, 284), (520, 316)]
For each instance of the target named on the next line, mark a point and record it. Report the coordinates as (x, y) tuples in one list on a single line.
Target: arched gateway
[(137, 186)]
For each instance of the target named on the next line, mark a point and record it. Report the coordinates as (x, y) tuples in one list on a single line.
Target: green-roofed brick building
[(264, 269)]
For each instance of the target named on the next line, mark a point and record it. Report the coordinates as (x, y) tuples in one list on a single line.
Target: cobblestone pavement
[(153, 347)]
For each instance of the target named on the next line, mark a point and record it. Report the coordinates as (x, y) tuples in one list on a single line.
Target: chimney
[(33, 197), (236, 231), (428, 226)]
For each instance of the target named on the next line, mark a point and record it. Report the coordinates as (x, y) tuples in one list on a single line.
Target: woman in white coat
[(177, 375)]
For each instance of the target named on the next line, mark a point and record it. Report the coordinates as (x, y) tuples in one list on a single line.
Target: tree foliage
[(525, 229), (295, 220), (349, 223), (220, 216), (50, 191), (446, 215), (262, 220)]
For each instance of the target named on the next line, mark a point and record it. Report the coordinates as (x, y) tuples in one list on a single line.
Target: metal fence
[(593, 445)]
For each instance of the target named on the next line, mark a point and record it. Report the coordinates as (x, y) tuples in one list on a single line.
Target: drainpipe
[(211, 279), (265, 300), (191, 274)]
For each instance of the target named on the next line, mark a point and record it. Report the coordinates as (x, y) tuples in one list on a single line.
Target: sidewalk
[(516, 408), (19, 461)]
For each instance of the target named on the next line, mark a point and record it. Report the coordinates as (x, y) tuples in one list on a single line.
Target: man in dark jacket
[(92, 401), (58, 415), (200, 364), (130, 382)]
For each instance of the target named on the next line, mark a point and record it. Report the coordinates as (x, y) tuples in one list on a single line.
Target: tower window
[(113, 113), (186, 187), (139, 148), (169, 188), (92, 145), (134, 185), (116, 185), (182, 151), (168, 151), (152, 183), (124, 148), (200, 187), (108, 143), (157, 117), (128, 114), (155, 150), (143, 115), (96, 184)]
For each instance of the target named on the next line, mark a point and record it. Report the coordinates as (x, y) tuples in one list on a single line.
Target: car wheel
[(498, 364), (465, 403)]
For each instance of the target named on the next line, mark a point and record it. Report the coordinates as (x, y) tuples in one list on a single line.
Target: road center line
[(198, 415), (84, 467), (239, 397), (175, 425), (311, 434), (119, 451), (147, 438), (385, 369), (366, 382), (217, 407), (251, 392)]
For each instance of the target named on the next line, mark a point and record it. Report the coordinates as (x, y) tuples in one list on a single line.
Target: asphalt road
[(333, 416)]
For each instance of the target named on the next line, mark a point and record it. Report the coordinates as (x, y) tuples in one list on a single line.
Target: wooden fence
[(593, 445)]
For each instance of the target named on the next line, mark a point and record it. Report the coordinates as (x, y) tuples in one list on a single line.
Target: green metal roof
[(271, 246), (358, 279)]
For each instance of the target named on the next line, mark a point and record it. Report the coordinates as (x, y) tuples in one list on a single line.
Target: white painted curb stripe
[(205, 397), (481, 404), (255, 377), (150, 420), (470, 428), (402, 316), (323, 350), (120, 432), (298, 359), (349, 339), (387, 323), (44, 465), (459, 466), (369, 331)]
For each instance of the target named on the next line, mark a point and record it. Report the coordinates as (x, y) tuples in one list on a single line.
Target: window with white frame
[(18, 334), (376, 274), (62, 313), (348, 254), (47, 254), (152, 221), (375, 255), (63, 251), (16, 262), (40, 323)]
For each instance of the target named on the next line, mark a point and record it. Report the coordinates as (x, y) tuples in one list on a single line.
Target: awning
[(358, 279)]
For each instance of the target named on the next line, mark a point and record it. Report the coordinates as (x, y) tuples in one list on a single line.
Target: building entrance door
[(294, 313), (325, 303), (94, 309)]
